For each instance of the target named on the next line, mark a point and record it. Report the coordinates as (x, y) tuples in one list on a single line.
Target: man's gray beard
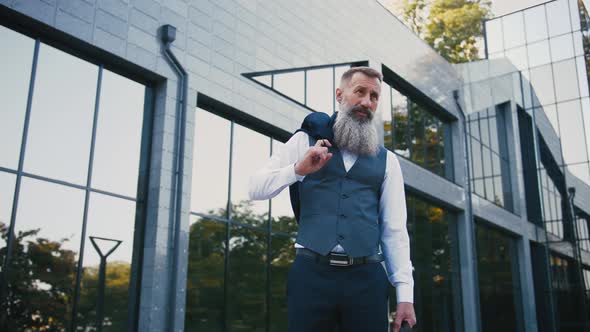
[(358, 136)]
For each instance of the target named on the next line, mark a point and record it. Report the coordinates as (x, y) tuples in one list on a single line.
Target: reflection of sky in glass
[(539, 53), (558, 17), (7, 181), (54, 209), (291, 85), (513, 30), (562, 47), (15, 63), (118, 136), (518, 57), (251, 151), (566, 80), (319, 90), (210, 162), (542, 82), (572, 132), (494, 36), (61, 117), (111, 218), (535, 24)]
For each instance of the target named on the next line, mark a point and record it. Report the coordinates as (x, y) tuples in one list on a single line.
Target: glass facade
[(552, 204), (415, 133), (489, 157), (499, 290), (583, 234), (69, 171), (566, 294), (239, 256), (548, 43)]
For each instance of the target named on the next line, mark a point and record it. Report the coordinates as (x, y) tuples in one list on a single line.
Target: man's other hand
[(404, 312), (314, 159)]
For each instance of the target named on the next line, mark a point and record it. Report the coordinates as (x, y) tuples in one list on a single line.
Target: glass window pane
[(60, 128), (562, 47), (498, 290), (113, 219), (582, 70), (513, 30), (247, 280), (494, 36), (205, 275), (264, 79), (542, 82), (401, 134), (518, 57), (558, 17), (245, 162), (551, 113), (210, 179), (476, 159), (494, 135), (581, 171), (572, 132), (487, 161), (385, 110), (566, 82), (586, 115), (282, 257), (320, 90), (291, 85), (15, 66), (45, 255), (282, 214), (7, 182), (574, 14), (539, 53), (118, 135), (526, 89), (484, 130), (578, 43), (535, 23)]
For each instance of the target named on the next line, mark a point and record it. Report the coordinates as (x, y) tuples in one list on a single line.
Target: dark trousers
[(323, 297)]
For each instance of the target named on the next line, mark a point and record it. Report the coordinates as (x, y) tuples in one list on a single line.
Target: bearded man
[(352, 218)]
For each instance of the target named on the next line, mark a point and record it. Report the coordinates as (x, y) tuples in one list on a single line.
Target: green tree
[(452, 27)]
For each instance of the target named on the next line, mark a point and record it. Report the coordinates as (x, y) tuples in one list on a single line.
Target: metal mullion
[(227, 228), (304, 88), (424, 142), (268, 249), (392, 141), (107, 193), (86, 202), (4, 277), (333, 89), (8, 170), (408, 128)]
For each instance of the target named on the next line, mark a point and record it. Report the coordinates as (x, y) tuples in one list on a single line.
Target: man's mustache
[(362, 109)]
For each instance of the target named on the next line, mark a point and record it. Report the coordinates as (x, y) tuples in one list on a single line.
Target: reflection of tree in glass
[(116, 297), (41, 284)]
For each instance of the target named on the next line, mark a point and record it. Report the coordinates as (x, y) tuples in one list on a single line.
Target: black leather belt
[(336, 259)]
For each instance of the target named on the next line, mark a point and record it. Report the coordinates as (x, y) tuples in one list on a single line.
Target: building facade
[(128, 131)]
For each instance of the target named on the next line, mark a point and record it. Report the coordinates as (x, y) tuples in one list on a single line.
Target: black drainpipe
[(168, 35)]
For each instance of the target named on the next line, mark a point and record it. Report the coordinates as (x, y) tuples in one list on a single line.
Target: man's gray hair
[(370, 72)]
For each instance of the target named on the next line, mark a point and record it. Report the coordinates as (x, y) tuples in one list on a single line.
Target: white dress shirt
[(279, 173)]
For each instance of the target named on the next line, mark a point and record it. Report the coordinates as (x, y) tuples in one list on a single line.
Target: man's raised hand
[(314, 159)]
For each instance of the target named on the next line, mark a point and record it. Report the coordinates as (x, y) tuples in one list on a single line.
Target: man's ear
[(338, 95)]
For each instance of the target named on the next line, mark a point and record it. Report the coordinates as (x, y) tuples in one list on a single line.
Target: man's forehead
[(360, 78)]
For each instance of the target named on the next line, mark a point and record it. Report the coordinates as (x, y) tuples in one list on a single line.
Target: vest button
[(345, 196), (342, 216), (341, 237)]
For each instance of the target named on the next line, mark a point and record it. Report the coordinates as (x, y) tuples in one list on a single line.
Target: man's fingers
[(323, 142)]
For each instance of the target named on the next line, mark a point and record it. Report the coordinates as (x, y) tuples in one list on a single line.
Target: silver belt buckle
[(345, 261)]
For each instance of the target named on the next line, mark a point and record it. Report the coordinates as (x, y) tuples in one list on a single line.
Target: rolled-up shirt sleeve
[(279, 172), (395, 242)]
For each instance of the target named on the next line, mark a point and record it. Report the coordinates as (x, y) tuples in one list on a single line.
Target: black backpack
[(318, 126)]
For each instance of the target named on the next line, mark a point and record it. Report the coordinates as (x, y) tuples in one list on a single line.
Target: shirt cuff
[(294, 175), (404, 293)]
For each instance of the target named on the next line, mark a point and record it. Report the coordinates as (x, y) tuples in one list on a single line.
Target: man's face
[(361, 93)]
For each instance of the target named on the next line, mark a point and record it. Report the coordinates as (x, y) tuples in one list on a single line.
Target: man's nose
[(366, 101)]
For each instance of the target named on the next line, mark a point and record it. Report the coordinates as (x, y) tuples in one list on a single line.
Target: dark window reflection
[(15, 63), (205, 280), (413, 132), (567, 294), (247, 280), (499, 292), (60, 128), (44, 256), (435, 266), (282, 255)]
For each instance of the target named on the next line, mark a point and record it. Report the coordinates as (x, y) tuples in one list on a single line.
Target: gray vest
[(339, 207)]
